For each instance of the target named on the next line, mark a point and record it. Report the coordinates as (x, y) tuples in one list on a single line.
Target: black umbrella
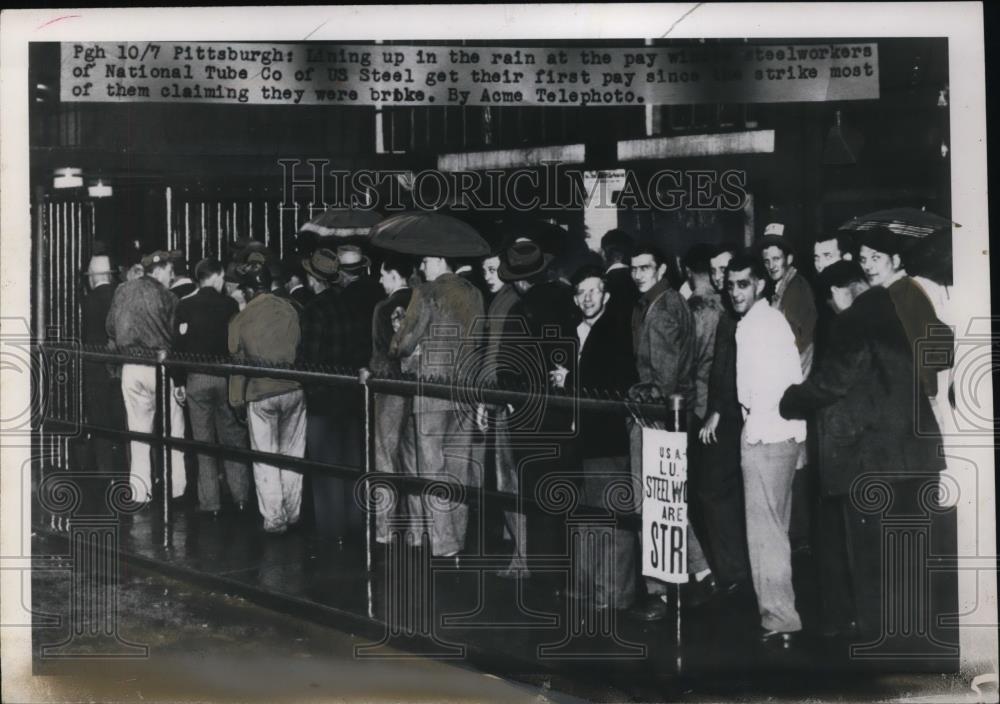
[(926, 237), (342, 222), (908, 222), (429, 235)]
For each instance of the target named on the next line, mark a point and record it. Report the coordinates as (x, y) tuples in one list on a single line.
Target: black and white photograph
[(542, 353)]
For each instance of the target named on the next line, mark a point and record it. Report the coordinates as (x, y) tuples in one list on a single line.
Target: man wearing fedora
[(433, 339), (326, 341), (141, 318), (542, 329), (268, 329), (102, 399)]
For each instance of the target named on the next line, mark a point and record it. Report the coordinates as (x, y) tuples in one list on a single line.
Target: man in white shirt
[(767, 363)]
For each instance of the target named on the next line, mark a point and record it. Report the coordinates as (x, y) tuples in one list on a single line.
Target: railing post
[(677, 422), (369, 514), (163, 431)]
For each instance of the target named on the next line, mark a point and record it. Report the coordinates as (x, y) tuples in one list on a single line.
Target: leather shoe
[(653, 610), (845, 630), (700, 593), (779, 639)]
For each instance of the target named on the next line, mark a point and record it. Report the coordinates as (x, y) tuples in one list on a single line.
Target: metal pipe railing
[(589, 400), (164, 442)]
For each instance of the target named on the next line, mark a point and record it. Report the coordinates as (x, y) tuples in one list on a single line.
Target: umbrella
[(908, 222), (429, 235), (928, 244), (342, 222)]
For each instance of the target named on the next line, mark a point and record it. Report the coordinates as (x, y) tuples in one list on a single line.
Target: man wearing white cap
[(102, 401)]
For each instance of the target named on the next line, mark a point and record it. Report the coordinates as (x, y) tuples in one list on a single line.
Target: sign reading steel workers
[(376, 75), (664, 505)]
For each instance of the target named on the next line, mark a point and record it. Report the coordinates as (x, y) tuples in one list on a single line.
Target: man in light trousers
[(141, 319), (767, 363), (268, 329)]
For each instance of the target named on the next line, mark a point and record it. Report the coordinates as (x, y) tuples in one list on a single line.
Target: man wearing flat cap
[(268, 329), (141, 318)]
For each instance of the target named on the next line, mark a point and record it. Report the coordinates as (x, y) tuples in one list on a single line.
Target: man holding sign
[(767, 363)]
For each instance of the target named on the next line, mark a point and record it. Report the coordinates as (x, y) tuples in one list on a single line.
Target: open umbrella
[(927, 248), (342, 222), (909, 222), (429, 235)]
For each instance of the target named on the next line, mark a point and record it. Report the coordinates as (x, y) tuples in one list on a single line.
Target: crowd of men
[(794, 390)]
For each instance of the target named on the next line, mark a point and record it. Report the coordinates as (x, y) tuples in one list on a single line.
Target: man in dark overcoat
[(605, 364), (864, 398)]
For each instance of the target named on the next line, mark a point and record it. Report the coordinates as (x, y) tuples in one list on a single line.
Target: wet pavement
[(321, 604), (192, 644)]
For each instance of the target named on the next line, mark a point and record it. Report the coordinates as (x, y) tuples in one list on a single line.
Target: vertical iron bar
[(204, 232), (187, 232), (170, 219), (63, 322), (40, 303), (267, 229), (218, 230), (163, 432), (370, 513), (281, 230)]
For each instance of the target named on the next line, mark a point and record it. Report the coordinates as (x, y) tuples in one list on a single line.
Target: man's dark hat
[(841, 274), (292, 266), (254, 276), (522, 260), (157, 257), (324, 265), (617, 238)]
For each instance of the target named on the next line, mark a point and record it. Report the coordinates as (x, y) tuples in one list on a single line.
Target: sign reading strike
[(329, 74), (664, 505)]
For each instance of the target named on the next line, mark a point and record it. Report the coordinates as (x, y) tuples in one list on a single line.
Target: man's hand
[(645, 393), (180, 395), (707, 432), (481, 419)]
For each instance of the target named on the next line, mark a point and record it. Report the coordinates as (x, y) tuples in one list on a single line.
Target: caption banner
[(325, 74), (664, 505)]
